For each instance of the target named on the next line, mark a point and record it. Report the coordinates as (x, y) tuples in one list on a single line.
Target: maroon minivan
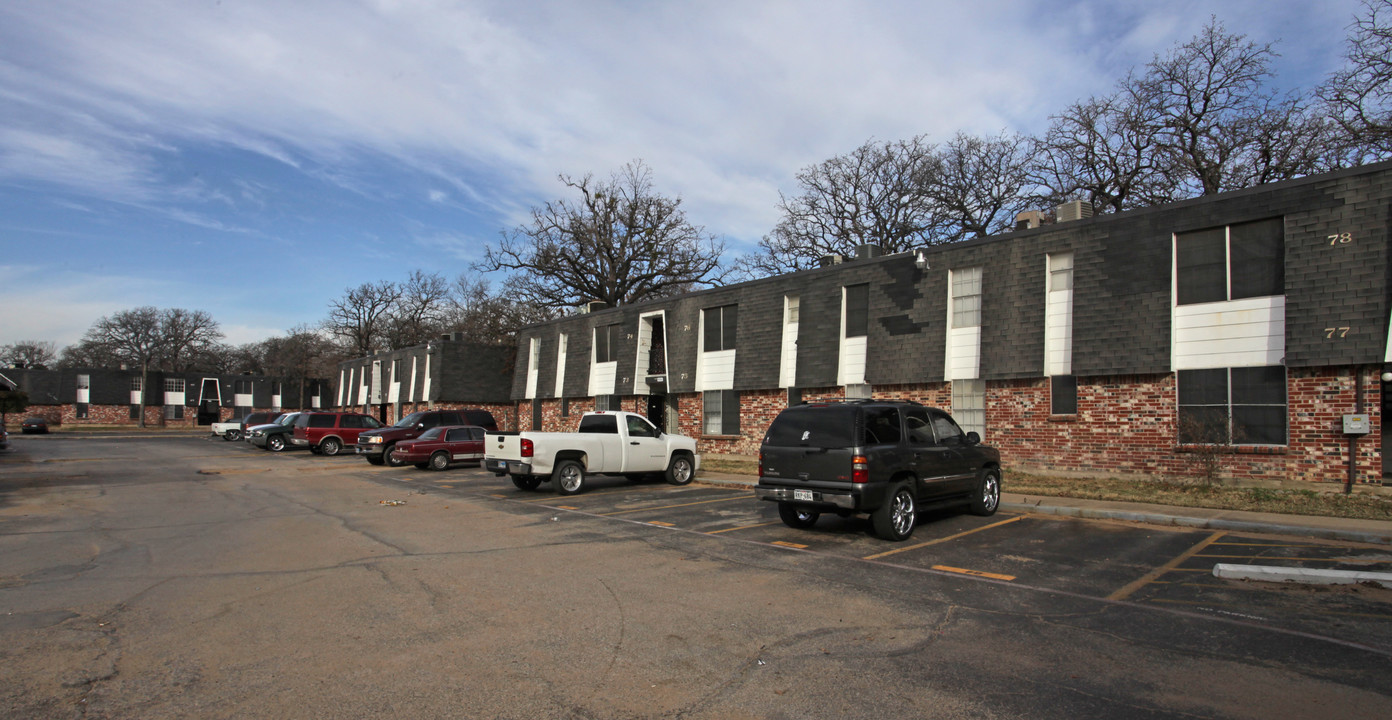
[(328, 433)]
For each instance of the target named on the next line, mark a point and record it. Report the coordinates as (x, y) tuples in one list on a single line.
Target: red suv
[(329, 432)]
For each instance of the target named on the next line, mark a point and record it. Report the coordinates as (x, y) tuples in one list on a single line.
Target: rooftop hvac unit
[(830, 259), (1029, 219), (867, 251), (1075, 210), (594, 306)]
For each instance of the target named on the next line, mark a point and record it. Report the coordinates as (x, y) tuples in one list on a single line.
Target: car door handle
[(633, 442)]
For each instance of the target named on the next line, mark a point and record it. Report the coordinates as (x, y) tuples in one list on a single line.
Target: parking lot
[(1129, 592)]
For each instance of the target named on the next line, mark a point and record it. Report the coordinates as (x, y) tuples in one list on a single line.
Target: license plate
[(802, 495)]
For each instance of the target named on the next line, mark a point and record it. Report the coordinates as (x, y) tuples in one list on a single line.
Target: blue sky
[(255, 159)]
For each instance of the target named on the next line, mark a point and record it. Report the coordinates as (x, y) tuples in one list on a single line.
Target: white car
[(229, 431)]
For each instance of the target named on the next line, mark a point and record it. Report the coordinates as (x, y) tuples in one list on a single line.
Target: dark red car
[(440, 446)]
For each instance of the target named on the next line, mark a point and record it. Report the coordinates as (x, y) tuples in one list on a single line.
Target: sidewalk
[(1328, 528)]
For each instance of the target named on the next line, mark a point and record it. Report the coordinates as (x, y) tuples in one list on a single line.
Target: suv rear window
[(814, 426)]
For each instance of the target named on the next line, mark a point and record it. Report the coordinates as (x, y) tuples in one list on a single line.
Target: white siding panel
[(602, 377), (851, 368), (787, 362), (1058, 333), (533, 372), (716, 371), (560, 365), (964, 353), (1241, 333)]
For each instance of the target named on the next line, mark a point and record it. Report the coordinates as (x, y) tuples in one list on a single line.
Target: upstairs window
[(1230, 262), (966, 297), (720, 325), (607, 343), (857, 310), (174, 385)]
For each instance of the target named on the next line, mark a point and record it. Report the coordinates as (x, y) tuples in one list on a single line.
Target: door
[(932, 461), (959, 473), (657, 411), (645, 452)]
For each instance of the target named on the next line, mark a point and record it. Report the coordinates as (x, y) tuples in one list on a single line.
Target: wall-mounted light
[(921, 258)]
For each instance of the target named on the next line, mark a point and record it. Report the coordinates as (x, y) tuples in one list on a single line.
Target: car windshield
[(410, 420), (289, 419), (432, 433), (819, 427)]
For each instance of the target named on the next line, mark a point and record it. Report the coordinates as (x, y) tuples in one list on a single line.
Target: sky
[(255, 159)]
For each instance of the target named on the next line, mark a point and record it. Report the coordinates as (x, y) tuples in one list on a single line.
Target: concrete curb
[(1304, 576), (1374, 538)]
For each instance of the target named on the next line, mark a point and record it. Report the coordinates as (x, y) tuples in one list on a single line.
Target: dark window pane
[(601, 345), (712, 329), (1259, 425), (824, 427), (321, 421), (882, 426), (1203, 387), (1258, 258), (918, 427), (615, 341), (1259, 386), (1203, 424), (1063, 395), (601, 424), (729, 320), (1201, 266), (729, 412), (857, 310)]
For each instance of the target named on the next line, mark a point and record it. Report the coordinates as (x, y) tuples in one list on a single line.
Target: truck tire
[(232, 435), (681, 470), (389, 458), (987, 496), (275, 443), (569, 476), (797, 517), (330, 446), (894, 521), (526, 482)]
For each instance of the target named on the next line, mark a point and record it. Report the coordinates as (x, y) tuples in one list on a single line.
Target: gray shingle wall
[(1121, 296)]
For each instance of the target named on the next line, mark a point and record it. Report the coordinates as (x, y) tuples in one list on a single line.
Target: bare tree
[(186, 334), (485, 316), (1360, 94), (1103, 150), (29, 354), (421, 311), (874, 195), (359, 318), (982, 183), (134, 337), (620, 243), (305, 353)]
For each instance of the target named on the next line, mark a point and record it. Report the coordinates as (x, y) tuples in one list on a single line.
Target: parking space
[(1162, 567)]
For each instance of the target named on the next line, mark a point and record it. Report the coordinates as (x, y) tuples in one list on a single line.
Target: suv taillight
[(761, 464), (860, 469), (527, 448)]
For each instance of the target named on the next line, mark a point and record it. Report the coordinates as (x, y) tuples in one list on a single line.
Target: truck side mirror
[(973, 438)]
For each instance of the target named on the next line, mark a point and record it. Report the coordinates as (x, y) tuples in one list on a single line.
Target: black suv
[(377, 445), (888, 458)]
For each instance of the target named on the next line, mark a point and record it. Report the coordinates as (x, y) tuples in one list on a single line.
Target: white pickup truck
[(608, 443)]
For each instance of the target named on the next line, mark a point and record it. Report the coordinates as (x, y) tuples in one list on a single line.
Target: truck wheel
[(389, 458), (569, 477), (330, 446), (438, 461), (894, 521), (232, 435), (681, 470), (371, 460), (275, 443), (797, 517), (987, 496), (526, 482)]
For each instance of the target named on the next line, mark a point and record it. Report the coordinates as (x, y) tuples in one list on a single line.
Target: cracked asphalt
[(175, 577)]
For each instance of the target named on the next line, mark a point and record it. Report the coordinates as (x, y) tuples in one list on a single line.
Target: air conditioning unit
[(1029, 219), (867, 251), (1075, 210), (830, 259), (594, 306)]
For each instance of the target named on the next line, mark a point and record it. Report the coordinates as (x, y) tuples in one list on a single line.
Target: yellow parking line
[(887, 553), (743, 527), (659, 523), (973, 573), (785, 543), (1171, 566), (1274, 557), (741, 496)]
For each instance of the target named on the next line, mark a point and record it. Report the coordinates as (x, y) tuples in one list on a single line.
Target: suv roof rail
[(859, 401)]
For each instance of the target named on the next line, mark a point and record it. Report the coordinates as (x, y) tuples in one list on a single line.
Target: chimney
[(594, 306), (1029, 219), (1075, 210)]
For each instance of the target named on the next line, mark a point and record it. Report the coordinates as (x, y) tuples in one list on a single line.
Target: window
[(84, 382), (80, 410), (969, 404), (1237, 406), (135, 412), (947, 431), (241, 387), (1232, 262), (137, 384), (638, 427), (857, 310), (794, 309), (720, 325), (174, 385), (1061, 272), (607, 343), (600, 424), (608, 402), (918, 427), (565, 407), (173, 412), (966, 297), (1063, 395), (721, 412), (882, 426)]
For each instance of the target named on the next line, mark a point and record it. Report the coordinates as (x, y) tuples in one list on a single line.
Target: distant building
[(112, 397), (447, 373)]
